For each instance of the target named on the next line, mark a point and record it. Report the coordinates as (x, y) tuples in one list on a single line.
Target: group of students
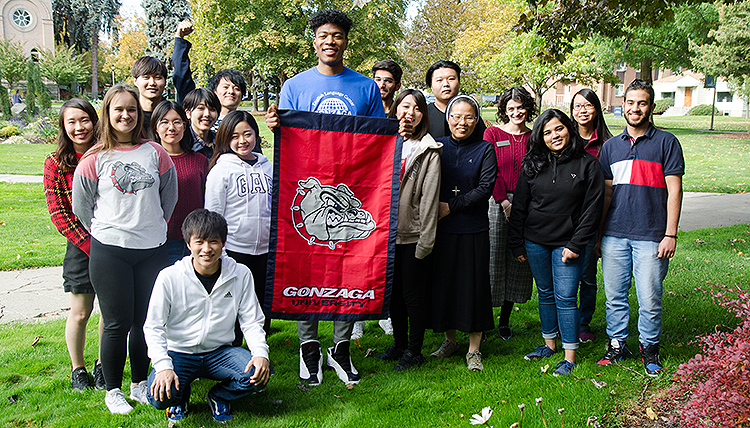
[(168, 221)]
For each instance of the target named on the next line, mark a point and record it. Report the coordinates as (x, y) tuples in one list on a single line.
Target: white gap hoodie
[(242, 194)]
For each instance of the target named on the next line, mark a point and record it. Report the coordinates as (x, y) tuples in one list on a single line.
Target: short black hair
[(148, 65), (204, 224), (642, 85), (390, 66), (518, 94), (441, 64), (161, 110), (233, 76), (201, 95), (330, 16)]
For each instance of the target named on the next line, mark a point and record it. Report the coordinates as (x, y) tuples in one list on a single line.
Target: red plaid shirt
[(57, 191)]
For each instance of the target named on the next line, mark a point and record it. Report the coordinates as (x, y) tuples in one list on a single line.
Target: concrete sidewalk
[(37, 294)]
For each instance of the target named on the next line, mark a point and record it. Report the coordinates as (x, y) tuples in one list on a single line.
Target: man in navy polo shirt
[(643, 170)]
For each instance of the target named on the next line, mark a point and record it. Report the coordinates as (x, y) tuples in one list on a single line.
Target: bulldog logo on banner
[(332, 257), (326, 215)]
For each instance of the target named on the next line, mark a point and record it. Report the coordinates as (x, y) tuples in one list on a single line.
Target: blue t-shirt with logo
[(346, 93)]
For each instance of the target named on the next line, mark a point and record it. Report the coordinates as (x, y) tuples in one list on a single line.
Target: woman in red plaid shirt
[(77, 133)]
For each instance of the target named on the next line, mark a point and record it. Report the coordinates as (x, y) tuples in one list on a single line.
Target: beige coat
[(419, 197)]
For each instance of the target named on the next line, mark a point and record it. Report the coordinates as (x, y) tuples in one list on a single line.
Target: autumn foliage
[(717, 380)]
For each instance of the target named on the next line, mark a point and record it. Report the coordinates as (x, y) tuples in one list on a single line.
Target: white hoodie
[(242, 194), (182, 317)]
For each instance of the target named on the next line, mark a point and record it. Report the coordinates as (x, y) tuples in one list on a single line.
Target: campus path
[(37, 294)]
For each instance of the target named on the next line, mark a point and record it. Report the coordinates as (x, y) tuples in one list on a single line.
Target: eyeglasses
[(587, 106), (467, 119), (176, 123)]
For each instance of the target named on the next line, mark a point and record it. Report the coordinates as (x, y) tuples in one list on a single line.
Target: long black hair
[(423, 127), (226, 129), (66, 152), (537, 155), (602, 131), (161, 110)]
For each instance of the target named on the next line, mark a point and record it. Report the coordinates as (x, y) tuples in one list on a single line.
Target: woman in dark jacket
[(556, 211)]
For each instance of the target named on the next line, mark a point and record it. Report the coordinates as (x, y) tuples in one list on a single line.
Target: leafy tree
[(431, 37), (63, 66), (273, 38), (522, 62), (162, 17), (131, 45), (12, 62), (667, 43), (4, 100), (562, 22), (729, 54)]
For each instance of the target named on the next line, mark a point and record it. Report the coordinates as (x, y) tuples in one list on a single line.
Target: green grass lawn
[(440, 393), (25, 159)]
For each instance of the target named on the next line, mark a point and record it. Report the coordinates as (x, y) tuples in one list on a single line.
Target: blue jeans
[(557, 285), (587, 292), (622, 260), (226, 364)]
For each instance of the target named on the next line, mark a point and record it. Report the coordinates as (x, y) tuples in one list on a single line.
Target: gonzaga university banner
[(334, 217)]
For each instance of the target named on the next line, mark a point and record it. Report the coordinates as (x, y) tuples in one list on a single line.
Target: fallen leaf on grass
[(599, 385), (13, 398), (369, 352), (2, 223), (338, 396), (36, 340), (650, 413), (350, 386), (302, 387)]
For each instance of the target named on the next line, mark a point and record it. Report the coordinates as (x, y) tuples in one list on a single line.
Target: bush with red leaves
[(718, 379)]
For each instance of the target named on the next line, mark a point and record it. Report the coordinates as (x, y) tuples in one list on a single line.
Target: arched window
[(21, 17)]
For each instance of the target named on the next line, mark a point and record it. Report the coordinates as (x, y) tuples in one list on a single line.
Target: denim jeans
[(622, 260), (226, 364), (557, 285), (587, 292)]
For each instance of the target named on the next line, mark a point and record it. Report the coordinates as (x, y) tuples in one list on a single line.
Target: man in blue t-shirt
[(330, 88), (643, 170)]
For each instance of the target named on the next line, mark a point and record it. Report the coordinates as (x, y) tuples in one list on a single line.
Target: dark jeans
[(257, 265), (177, 250), (123, 279), (408, 307), (587, 291), (226, 364)]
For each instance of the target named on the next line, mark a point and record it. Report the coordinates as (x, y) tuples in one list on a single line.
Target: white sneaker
[(359, 330), (116, 403), (138, 392), (386, 326), (311, 362)]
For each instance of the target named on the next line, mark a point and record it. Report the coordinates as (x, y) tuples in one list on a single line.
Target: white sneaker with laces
[(116, 403), (138, 392), (359, 330), (386, 326)]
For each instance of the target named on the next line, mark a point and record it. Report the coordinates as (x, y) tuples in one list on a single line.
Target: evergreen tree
[(162, 17), (77, 23), (31, 88), (4, 100)]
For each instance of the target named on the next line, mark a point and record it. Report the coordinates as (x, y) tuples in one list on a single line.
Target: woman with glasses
[(168, 127), (460, 293), (510, 280), (586, 111)]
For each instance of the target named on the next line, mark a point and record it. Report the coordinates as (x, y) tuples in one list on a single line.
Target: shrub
[(16, 139), (702, 110), (663, 104), (9, 131), (718, 379)]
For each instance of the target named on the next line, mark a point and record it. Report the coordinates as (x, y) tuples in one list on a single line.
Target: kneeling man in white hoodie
[(190, 325)]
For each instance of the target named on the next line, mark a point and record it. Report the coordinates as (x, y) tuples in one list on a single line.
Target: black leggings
[(257, 265), (123, 279), (408, 307)]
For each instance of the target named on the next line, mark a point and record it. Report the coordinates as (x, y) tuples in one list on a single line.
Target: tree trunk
[(265, 99), (95, 65), (255, 100), (647, 71)]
